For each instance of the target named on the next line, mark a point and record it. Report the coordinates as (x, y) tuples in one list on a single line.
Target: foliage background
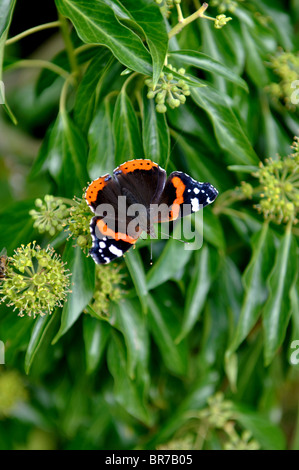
[(221, 319)]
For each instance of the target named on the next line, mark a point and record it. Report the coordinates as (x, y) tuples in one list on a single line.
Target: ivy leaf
[(64, 155), (82, 287), (228, 130), (254, 280), (205, 62), (277, 310), (155, 133), (128, 144), (96, 23), (96, 334), (6, 12)]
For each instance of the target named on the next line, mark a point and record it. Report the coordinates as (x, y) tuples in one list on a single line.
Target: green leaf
[(128, 319), (254, 280), (164, 331), (277, 311), (172, 260), (130, 394), (96, 334), (155, 133), (228, 130), (204, 271), (64, 155), (267, 434), (87, 91), (205, 62), (16, 230), (136, 270), (147, 16), (39, 331), (101, 157), (6, 11), (82, 286), (128, 144), (96, 23)]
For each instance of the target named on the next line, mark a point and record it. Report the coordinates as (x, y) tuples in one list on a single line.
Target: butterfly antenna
[(178, 239), (151, 260)]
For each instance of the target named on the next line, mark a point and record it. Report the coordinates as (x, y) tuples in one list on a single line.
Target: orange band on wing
[(108, 232), (93, 189), (138, 164), (179, 189)]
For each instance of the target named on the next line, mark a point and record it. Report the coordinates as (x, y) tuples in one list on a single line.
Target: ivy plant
[(197, 350)]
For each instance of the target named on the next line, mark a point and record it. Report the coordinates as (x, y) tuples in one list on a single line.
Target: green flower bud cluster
[(280, 188), (107, 288), (78, 223), (236, 442), (286, 67), (12, 392), (50, 215), (224, 5), (218, 412), (221, 20), (169, 89), (36, 281)]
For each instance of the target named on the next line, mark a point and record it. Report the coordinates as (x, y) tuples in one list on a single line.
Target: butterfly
[(136, 196)]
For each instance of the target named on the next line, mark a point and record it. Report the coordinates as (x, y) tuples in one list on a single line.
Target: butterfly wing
[(183, 195)]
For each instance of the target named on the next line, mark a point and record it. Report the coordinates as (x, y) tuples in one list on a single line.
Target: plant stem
[(35, 29), (68, 45), (63, 95), (41, 64), (185, 21), (180, 13)]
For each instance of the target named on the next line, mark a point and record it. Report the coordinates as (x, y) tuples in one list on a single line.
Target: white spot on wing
[(195, 204), (115, 250)]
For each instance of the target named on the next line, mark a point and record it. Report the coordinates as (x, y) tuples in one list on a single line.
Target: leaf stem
[(63, 96), (68, 45), (185, 21), (35, 29), (39, 63)]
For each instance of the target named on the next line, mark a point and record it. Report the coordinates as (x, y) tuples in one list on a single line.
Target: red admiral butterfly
[(143, 185)]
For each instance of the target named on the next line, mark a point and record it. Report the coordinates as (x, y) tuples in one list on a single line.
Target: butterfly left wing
[(183, 196), (108, 244)]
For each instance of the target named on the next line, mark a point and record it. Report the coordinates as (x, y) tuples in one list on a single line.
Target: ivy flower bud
[(51, 215), (221, 20)]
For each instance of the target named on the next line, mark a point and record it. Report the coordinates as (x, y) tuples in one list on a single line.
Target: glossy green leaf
[(128, 144), (263, 430), (205, 62), (130, 394), (204, 271), (39, 331), (155, 133), (228, 130), (82, 283), (130, 321), (17, 230), (165, 331), (101, 157), (254, 279), (96, 22), (277, 311), (6, 12), (136, 270), (64, 155), (96, 334), (147, 16), (87, 91), (172, 260)]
